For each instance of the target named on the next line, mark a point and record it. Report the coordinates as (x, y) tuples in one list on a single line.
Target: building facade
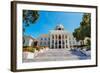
[(29, 41), (44, 40), (58, 38)]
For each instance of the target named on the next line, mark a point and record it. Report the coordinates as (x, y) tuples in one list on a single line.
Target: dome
[(60, 27)]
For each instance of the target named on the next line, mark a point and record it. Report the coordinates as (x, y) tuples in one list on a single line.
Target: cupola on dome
[(60, 27)]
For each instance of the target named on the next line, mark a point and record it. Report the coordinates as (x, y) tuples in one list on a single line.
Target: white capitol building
[(58, 38)]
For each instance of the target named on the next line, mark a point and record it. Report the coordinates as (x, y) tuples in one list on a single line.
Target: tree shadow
[(81, 55)]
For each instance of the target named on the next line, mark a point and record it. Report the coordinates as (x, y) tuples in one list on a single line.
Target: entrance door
[(59, 46)]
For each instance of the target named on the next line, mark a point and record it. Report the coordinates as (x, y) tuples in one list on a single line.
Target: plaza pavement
[(57, 55)]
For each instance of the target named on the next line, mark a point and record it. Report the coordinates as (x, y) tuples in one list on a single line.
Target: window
[(66, 41), (66, 46), (52, 41), (52, 46), (63, 46), (56, 46), (56, 36), (40, 43), (44, 43), (41, 38), (52, 36), (45, 38), (66, 36), (59, 42), (70, 42), (59, 36), (48, 42), (56, 42)]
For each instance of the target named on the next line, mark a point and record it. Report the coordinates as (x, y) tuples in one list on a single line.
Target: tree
[(84, 30), (76, 34), (88, 44), (29, 17), (85, 25)]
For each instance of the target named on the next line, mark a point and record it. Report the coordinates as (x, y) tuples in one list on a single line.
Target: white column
[(30, 42), (57, 41), (54, 41), (61, 42), (50, 41), (68, 42), (72, 43), (65, 41)]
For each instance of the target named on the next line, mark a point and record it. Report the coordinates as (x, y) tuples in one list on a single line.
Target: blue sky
[(48, 20)]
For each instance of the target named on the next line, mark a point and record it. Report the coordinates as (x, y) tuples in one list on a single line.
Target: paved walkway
[(54, 55)]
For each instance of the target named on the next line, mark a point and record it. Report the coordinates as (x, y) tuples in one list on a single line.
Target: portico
[(59, 38)]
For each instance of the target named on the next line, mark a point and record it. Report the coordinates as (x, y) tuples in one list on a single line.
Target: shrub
[(38, 48), (29, 49), (25, 46)]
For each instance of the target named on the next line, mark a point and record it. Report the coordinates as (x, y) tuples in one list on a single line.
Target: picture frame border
[(14, 35)]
